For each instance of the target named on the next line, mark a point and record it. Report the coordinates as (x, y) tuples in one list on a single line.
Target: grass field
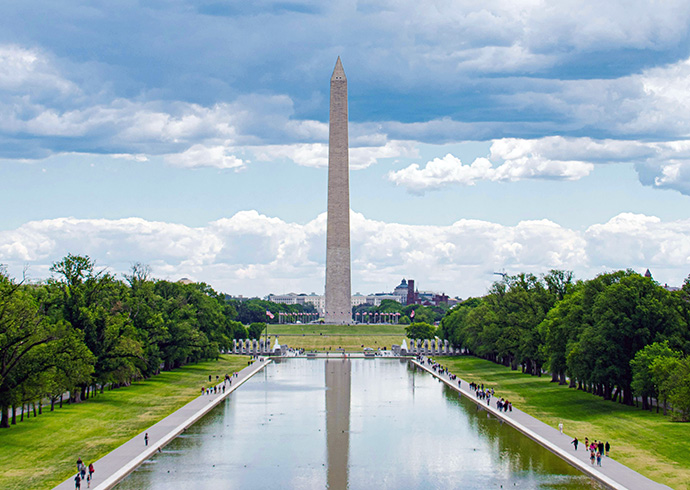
[(361, 329), (649, 443), (41, 452), (350, 343), (331, 337)]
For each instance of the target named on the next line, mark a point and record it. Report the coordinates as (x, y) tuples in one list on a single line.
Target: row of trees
[(254, 310), (84, 330), (585, 333)]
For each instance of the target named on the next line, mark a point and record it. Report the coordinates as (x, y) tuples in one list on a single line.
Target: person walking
[(91, 470), (575, 442), (607, 446), (77, 482), (592, 456), (560, 427), (598, 458), (146, 439)]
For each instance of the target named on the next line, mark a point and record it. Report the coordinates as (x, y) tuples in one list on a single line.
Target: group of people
[(596, 449), (218, 388), (81, 474), (480, 392)]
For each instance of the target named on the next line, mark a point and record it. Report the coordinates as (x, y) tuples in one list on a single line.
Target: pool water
[(357, 424)]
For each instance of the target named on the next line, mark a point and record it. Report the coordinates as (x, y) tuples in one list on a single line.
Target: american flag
[(270, 315)]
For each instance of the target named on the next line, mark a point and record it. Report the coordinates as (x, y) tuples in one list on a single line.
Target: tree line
[(84, 330), (588, 334)]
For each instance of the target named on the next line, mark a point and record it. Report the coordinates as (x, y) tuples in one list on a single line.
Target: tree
[(30, 346), (256, 329), (94, 303), (664, 372), (680, 391), (643, 382), (420, 330)]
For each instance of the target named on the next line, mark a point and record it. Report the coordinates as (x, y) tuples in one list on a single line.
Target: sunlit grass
[(361, 329), (42, 452), (350, 343), (331, 337), (647, 442)]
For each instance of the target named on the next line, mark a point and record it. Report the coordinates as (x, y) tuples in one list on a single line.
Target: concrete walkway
[(611, 473), (120, 462)]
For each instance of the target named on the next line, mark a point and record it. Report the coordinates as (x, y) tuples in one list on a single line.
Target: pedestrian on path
[(607, 446), (77, 482), (560, 427), (146, 439), (575, 442), (91, 470), (598, 458)]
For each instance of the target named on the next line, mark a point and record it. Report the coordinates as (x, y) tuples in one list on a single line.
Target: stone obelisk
[(338, 292)]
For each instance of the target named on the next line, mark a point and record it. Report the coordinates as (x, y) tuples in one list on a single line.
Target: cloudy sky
[(508, 135)]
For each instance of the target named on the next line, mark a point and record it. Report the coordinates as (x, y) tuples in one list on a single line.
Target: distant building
[(319, 302), (404, 294), (401, 292), (665, 286), (185, 281), (288, 299), (411, 297)]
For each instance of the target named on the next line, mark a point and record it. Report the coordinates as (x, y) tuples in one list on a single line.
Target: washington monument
[(338, 291)]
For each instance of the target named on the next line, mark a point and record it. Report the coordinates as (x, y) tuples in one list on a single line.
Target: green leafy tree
[(665, 372), (256, 329), (643, 383), (420, 330), (30, 346)]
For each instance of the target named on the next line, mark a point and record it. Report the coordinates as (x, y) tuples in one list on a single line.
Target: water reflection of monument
[(338, 421)]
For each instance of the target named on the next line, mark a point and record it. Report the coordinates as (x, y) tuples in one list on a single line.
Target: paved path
[(120, 462), (611, 473)]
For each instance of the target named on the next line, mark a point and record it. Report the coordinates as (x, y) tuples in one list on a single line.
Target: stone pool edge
[(543, 441), (131, 463)]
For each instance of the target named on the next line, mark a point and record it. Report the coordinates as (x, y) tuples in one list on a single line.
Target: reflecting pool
[(358, 424)]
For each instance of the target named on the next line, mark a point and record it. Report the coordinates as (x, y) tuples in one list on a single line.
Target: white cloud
[(316, 154), (23, 70), (636, 240), (516, 165), (662, 164), (203, 156), (254, 254)]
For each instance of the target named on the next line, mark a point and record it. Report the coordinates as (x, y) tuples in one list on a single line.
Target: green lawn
[(331, 337), (41, 452), (315, 329), (649, 443), (351, 343)]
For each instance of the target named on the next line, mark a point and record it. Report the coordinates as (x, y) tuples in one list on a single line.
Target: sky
[(498, 136)]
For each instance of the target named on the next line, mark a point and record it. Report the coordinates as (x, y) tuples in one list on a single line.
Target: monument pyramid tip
[(338, 71)]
